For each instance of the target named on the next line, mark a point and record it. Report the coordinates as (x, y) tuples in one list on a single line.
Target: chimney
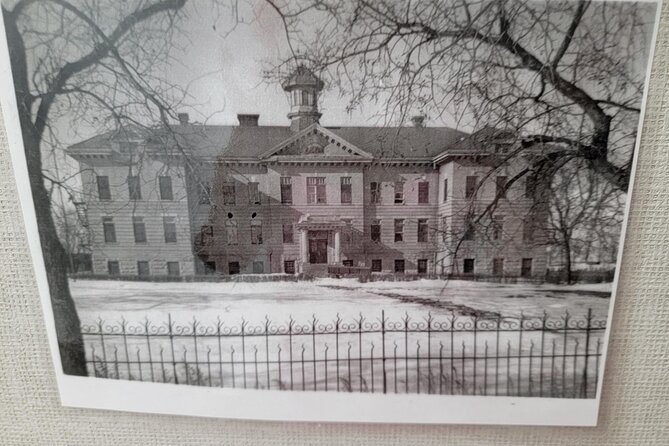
[(183, 118), (248, 120), (418, 121)]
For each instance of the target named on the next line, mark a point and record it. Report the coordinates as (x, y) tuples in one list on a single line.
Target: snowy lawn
[(325, 298)]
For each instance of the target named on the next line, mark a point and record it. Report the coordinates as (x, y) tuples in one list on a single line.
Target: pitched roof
[(242, 142)]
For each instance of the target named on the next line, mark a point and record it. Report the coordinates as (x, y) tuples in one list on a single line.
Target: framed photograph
[(388, 211)]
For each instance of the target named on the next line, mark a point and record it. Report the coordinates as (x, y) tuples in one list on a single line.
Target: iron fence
[(456, 355)]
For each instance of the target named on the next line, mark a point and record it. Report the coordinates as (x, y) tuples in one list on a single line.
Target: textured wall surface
[(635, 405)]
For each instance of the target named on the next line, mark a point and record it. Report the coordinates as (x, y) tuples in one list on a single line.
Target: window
[(143, 268), (256, 232), (444, 229), (288, 232), (139, 229), (528, 230), (316, 190), (289, 266), (497, 227), (206, 234), (376, 230), (348, 262), (113, 268), (205, 193), (228, 190), (530, 186), (233, 268), (498, 267), (526, 268), (173, 269), (375, 197), (468, 267), (399, 230), (347, 232), (399, 266), (422, 266), (422, 230), (423, 192), (286, 190), (469, 229), (209, 268), (346, 195), (399, 192), (231, 231), (104, 193), (170, 229), (134, 189), (500, 183), (165, 186), (445, 190), (109, 229), (258, 267), (470, 186), (377, 265), (254, 193)]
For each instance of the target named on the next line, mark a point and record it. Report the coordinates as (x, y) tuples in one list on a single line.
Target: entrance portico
[(320, 240)]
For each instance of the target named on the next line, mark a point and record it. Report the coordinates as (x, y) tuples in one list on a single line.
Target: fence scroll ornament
[(455, 355)]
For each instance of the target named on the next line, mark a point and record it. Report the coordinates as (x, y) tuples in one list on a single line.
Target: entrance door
[(318, 247)]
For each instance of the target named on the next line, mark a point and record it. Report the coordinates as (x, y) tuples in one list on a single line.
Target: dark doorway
[(526, 268), (468, 267), (318, 247), (422, 266), (498, 267)]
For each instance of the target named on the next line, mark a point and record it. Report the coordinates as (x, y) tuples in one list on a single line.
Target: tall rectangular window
[(526, 268), (287, 231), (500, 183), (399, 266), (134, 188), (165, 186), (444, 229), (445, 190), (530, 185), (346, 194), (104, 192), (316, 193), (375, 189), (109, 229), (528, 230), (399, 192), (231, 231), (375, 230), (228, 191), (469, 229), (143, 268), (113, 268), (422, 230), (254, 193), (498, 267), (170, 229), (497, 227), (377, 265), (422, 266), (286, 190), (471, 184), (205, 193), (139, 229), (423, 192), (256, 232), (289, 266), (399, 229), (173, 269), (468, 266)]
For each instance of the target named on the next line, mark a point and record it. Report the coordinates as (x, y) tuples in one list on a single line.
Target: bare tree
[(95, 64), (566, 76)]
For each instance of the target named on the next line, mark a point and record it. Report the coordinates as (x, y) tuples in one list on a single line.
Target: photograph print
[(293, 204)]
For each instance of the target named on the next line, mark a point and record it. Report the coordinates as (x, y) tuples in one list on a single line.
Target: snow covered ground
[(325, 298)]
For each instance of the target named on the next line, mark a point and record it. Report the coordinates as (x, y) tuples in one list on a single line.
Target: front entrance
[(318, 247)]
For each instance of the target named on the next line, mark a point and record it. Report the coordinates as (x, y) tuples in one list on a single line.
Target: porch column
[(304, 246), (337, 246)]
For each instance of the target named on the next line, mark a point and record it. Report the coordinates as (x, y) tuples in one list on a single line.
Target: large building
[(202, 199)]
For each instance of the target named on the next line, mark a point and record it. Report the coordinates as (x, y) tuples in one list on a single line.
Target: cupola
[(302, 88)]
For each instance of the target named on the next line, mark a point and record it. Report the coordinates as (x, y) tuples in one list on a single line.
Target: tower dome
[(302, 87)]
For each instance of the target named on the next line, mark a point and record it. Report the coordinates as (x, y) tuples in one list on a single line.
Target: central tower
[(302, 87)]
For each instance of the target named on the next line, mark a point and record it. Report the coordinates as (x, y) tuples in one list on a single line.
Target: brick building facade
[(201, 199)]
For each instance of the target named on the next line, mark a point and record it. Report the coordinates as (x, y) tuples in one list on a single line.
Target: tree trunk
[(569, 275)]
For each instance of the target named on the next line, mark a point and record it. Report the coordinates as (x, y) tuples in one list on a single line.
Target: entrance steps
[(316, 269)]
